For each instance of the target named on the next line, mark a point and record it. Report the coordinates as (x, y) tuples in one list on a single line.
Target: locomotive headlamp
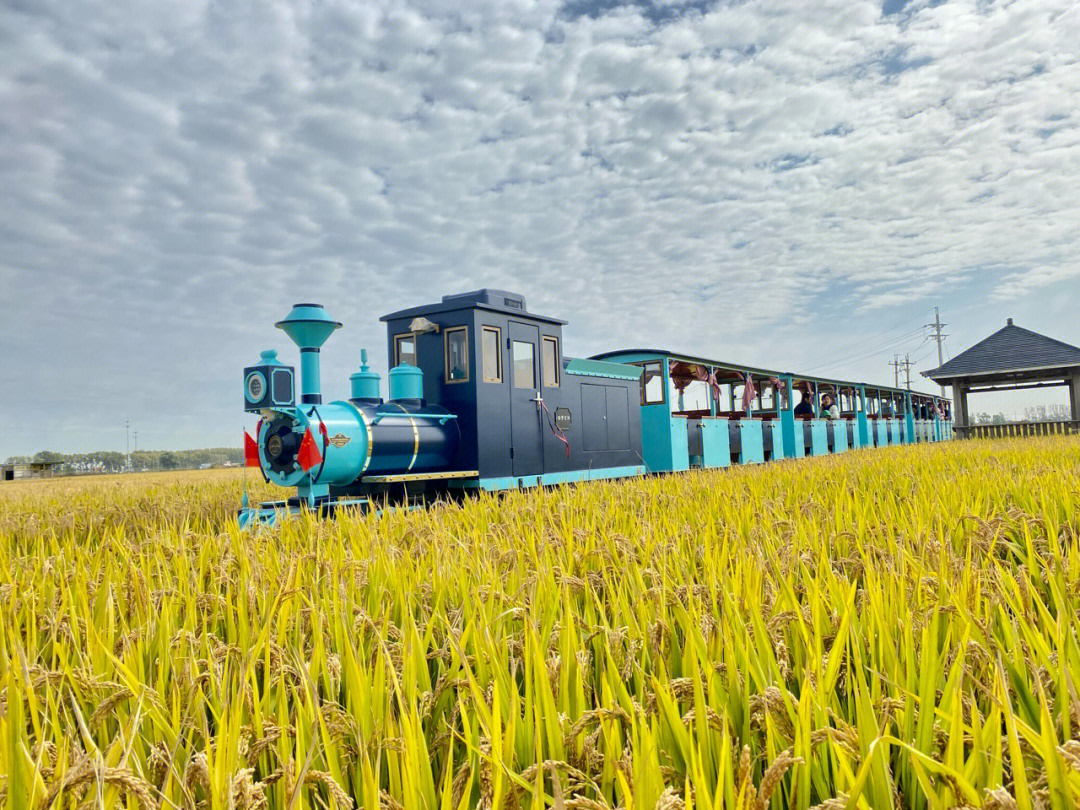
[(256, 386), (268, 384)]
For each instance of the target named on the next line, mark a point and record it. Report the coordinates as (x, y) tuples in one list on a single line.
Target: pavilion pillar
[(1074, 397), (960, 402)]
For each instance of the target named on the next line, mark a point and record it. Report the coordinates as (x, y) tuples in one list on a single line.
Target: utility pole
[(937, 335), (895, 363), (907, 371)]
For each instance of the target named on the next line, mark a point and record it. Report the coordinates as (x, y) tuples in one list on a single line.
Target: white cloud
[(707, 177)]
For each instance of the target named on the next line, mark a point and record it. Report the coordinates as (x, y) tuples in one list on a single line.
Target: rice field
[(883, 629)]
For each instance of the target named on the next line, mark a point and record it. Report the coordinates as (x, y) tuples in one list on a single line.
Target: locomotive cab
[(528, 415)]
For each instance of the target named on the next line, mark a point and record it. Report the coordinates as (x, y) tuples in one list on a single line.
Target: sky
[(791, 185)]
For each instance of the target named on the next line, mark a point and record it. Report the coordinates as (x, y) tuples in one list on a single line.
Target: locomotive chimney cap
[(308, 325)]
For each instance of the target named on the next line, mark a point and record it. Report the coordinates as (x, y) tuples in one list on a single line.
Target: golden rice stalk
[(774, 774)]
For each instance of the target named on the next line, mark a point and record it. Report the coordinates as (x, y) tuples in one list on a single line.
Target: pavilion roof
[(1012, 350)]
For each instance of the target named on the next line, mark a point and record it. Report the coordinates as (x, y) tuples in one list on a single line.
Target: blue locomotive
[(481, 397)]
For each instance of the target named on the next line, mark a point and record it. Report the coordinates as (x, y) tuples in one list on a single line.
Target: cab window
[(652, 383), (551, 362), (490, 341), (456, 349), (405, 349), (523, 363)]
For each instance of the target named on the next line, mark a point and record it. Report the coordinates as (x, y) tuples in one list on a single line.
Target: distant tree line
[(110, 461), (1033, 413)]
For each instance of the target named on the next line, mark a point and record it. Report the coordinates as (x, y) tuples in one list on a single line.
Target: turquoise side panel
[(862, 428), (549, 479), (882, 430), (656, 437), (603, 368), (793, 435), (840, 435), (680, 444), (774, 426), (663, 440), (819, 437), (909, 423), (856, 439), (715, 443), (894, 431), (753, 448)]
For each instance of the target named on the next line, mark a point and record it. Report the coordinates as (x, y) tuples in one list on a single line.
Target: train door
[(526, 438)]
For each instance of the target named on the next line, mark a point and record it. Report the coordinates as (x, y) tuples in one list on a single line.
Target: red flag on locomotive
[(308, 455), (251, 451)]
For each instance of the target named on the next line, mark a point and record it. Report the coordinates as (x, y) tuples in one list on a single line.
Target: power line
[(870, 351), (924, 355), (899, 324), (892, 329)]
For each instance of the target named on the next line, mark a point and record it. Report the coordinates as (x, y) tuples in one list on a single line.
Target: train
[(481, 397)]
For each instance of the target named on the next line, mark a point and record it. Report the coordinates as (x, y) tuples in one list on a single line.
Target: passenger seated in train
[(828, 407), (804, 408)]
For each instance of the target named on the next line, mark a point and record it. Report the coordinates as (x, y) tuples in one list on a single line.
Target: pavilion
[(1011, 359)]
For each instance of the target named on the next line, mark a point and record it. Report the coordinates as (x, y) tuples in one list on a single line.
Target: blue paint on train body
[(482, 397), (752, 450)]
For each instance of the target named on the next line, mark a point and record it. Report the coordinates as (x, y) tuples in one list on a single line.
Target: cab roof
[(502, 301)]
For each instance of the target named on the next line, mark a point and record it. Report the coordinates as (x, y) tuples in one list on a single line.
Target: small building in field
[(24, 470), (1012, 359)]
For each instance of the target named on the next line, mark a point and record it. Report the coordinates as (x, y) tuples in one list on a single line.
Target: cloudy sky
[(793, 185)]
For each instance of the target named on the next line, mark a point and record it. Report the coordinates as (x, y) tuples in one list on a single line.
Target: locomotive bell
[(308, 326)]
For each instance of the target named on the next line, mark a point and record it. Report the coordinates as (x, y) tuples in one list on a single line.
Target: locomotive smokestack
[(308, 326)]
